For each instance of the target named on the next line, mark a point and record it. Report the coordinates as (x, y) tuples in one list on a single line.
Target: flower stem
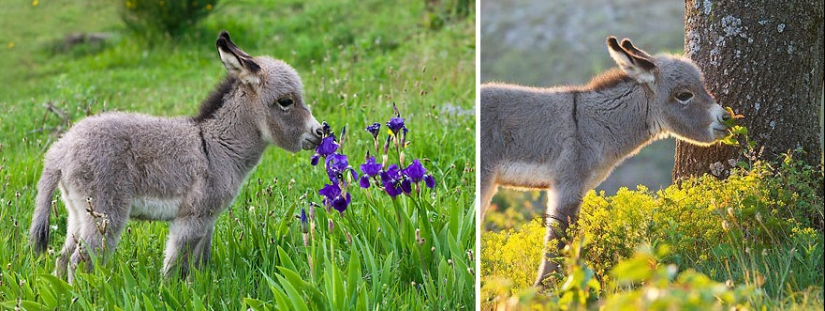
[(398, 217)]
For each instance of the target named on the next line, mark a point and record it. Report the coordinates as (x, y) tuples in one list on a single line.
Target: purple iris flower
[(417, 173), (335, 198), (415, 170), (369, 169), (373, 129), (429, 181), (406, 185), (326, 128), (337, 165), (304, 221), (391, 179), (391, 188), (327, 147), (329, 192), (395, 124), (340, 203)]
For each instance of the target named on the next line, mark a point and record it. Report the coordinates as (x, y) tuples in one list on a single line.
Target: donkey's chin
[(719, 132), (293, 146), (309, 143), (699, 141)]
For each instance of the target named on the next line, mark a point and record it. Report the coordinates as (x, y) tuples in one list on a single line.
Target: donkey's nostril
[(319, 131), (726, 116)]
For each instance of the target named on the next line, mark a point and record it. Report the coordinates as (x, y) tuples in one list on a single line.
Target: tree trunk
[(763, 59)]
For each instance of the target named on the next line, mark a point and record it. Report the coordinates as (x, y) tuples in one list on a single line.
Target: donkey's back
[(138, 156), (512, 115)]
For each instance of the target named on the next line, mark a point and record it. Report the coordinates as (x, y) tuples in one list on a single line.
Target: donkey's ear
[(636, 63), (236, 61), (629, 47)]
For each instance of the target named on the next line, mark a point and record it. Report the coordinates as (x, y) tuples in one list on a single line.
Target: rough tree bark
[(762, 58)]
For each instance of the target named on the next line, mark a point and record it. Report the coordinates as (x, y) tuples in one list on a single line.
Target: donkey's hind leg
[(100, 224), (72, 234), (488, 188)]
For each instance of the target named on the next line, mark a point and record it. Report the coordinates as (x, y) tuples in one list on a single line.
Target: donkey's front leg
[(563, 204), (189, 239)]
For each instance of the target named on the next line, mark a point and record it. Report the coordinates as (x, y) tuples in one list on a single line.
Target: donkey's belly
[(524, 176), (147, 208)]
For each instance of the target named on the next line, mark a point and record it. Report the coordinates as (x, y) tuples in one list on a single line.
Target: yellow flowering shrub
[(762, 226), (615, 225), (514, 253)]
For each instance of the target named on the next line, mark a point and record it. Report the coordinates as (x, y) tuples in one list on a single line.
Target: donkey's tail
[(39, 231)]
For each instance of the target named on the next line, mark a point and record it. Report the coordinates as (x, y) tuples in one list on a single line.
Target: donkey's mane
[(215, 99), (609, 79)]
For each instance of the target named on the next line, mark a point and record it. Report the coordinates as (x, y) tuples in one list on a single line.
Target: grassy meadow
[(356, 59)]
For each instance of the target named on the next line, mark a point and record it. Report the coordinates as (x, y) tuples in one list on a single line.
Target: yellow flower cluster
[(704, 220), (515, 254)]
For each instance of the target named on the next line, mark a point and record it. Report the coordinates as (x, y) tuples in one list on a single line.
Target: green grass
[(356, 58)]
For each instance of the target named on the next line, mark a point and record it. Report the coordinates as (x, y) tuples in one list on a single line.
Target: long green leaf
[(170, 299), (285, 260), (314, 294), (353, 274), (295, 298), (280, 297), (147, 304), (255, 304)]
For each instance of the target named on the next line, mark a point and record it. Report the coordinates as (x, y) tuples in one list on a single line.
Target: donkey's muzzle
[(310, 142)]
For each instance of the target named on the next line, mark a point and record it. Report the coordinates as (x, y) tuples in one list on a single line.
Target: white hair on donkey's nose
[(312, 137), (717, 128)]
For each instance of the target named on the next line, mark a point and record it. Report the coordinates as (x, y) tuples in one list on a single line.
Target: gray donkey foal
[(116, 166), (568, 139)]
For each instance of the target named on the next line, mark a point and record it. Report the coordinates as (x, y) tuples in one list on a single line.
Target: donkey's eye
[(285, 102), (684, 96)]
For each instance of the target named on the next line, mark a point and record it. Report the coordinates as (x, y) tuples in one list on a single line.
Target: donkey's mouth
[(719, 132), (310, 143)]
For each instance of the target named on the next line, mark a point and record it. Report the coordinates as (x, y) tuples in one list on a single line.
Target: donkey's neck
[(232, 138), (621, 119)]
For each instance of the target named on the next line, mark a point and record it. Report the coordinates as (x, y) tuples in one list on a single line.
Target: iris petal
[(371, 167), (406, 185), (429, 181), (416, 171), (364, 182), (395, 124)]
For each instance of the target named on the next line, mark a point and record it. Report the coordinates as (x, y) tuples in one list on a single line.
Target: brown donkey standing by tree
[(568, 139), (116, 166)]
